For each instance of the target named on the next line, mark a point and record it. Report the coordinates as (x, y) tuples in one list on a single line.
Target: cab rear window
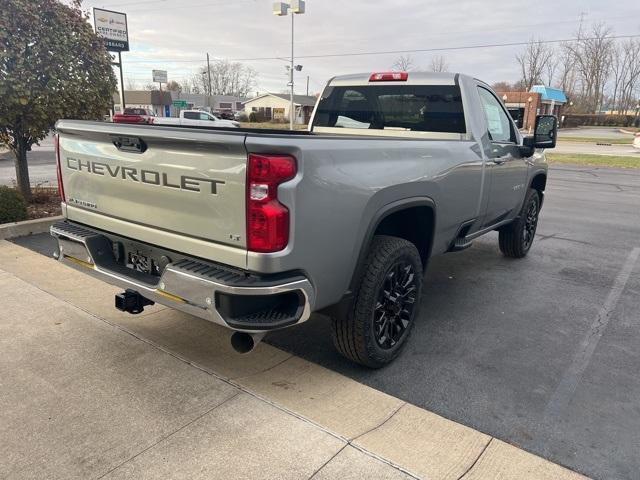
[(420, 108)]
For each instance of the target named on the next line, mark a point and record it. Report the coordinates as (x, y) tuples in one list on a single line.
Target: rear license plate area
[(142, 262)]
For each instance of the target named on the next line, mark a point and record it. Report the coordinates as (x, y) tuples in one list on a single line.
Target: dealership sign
[(112, 28), (159, 76)]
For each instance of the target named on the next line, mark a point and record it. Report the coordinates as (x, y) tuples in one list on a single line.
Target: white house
[(275, 106)]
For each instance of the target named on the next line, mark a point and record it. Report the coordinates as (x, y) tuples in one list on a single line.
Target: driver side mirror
[(546, 131), (544, 135)]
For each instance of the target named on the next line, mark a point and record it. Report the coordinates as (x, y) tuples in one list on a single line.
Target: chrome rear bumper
[(214, 292)]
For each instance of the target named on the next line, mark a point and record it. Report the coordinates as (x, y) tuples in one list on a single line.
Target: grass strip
[(594, 160)]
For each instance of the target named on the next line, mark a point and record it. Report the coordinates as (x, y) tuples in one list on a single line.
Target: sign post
[(112, 28), (159, 76)]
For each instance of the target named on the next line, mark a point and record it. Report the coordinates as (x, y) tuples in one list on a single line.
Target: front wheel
[(516, 238), (386, 303)]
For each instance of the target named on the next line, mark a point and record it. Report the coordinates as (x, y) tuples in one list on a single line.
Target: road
[(594, 149), (593, 132), (540, 352), (41, 164)]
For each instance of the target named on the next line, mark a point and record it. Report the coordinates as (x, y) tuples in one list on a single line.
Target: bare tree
[(550, 68), (403, 63), (439, 64), (592, 55), (131, 84), (625, 69), (227, 78), (173, 86), (566, 78), (534, 62), (502, 87)]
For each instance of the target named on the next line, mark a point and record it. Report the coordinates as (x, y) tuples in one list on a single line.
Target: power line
[(396, 52), (145, 2)]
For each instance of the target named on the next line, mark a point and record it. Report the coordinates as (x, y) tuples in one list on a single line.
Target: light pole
[(281, 9)]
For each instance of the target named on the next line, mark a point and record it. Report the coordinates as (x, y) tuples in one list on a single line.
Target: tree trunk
[(22, 170)]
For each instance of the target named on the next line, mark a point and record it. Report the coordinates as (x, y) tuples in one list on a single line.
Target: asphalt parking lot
[(542, 352)]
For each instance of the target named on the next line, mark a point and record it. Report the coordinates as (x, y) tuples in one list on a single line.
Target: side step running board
[(461, 243)]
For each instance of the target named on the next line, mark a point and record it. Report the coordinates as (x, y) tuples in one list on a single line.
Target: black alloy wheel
[(394, 308)]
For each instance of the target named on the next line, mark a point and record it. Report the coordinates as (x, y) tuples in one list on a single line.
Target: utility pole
[(292, 106), (209, 78), (307, 85)]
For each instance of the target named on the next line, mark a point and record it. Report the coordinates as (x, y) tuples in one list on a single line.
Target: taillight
[(267, 218), (56, 141), (389, 77)]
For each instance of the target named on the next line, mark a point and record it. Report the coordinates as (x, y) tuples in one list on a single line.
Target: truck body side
[(184, 190)]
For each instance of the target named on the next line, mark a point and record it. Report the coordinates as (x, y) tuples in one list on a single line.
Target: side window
[(497, 120), (205, 116), (191, 115)]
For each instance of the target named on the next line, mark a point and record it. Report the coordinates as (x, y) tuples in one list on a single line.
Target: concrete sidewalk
[(89, 392)]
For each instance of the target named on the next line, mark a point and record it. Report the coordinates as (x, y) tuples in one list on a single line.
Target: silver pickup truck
[(256, 229)]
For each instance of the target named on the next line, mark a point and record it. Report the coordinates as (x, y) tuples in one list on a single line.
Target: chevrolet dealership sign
[(112, 27)]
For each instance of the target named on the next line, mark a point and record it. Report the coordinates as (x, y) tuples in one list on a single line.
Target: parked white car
[(196, 118)]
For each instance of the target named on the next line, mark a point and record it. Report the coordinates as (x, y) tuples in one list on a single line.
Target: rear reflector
[(56, 140), (389, 77), (267, 218)]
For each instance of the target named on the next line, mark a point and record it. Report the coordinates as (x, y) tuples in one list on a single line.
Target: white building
[(275, 106)]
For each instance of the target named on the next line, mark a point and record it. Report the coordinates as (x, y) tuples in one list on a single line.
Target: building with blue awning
[(540, 100)]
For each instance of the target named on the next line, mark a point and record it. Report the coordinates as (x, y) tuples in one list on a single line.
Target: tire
[(376, 327), (515, 239)]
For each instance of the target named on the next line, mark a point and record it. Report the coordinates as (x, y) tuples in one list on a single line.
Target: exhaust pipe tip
[(243, 342)]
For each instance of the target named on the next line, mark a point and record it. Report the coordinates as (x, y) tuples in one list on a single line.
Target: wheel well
[(414, 224), (539, 182)]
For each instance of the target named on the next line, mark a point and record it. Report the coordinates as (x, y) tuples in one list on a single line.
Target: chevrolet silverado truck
[(196, 118), (256, 229), (135, 115)]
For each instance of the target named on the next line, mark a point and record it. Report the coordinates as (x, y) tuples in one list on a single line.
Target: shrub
[(584, 120), (13, 208), (258, 117)]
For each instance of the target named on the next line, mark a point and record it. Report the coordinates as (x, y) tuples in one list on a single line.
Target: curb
[(28, 227), (628, 132)]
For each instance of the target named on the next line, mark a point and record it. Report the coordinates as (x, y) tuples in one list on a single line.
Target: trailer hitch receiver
[(131, 301)]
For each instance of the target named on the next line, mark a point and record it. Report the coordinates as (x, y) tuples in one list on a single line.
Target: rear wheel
[(516, 238), (386, 303)]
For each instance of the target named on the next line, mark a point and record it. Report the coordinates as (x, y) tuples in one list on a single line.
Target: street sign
[(112, 28), (179, 103), (159, 76)]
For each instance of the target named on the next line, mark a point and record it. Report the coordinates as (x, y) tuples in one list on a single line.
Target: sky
[(175, 35)]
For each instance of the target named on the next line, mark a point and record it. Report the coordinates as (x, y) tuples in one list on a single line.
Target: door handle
[(499, 161)]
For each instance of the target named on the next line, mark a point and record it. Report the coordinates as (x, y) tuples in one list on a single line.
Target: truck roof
[(414, 78)]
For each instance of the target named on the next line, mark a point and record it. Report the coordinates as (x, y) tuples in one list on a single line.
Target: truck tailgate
[(182, 189)]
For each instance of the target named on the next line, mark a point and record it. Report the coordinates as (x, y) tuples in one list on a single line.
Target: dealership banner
[(112, 27)]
